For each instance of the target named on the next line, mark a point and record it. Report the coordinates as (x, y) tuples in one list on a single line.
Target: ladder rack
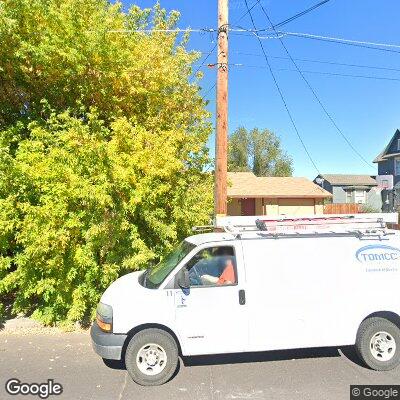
[(293, 226)]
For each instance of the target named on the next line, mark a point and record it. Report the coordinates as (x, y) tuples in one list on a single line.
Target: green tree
[(88, 53), (82, 203), (258, 151), (102, 150)]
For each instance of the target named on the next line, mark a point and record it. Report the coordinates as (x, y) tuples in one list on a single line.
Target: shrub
[(82, 203), (86, 196)]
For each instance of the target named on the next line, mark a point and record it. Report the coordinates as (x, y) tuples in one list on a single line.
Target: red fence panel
[(339, 208), (394, 226)]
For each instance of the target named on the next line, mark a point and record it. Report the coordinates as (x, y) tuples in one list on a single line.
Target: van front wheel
[(378, 344), (151, 357)]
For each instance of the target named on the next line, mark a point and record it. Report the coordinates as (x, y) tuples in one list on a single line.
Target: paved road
[(68, 358)]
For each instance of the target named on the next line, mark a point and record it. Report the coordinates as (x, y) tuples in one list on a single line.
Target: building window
[(398, 144), (349, 196), (397, 166), (359, 196)]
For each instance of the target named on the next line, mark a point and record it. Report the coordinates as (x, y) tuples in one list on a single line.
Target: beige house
[(252, 195)]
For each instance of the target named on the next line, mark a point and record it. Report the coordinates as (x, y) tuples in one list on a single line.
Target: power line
[(347, 140), (351, 41), (248, 11), (380, 78), (216, 44), (348, 42), (322, 62), (385, 78), (180, 30), (281, 94), (206, 58), (208, 91), (388, 47), (290, 19), (200, 30), (251, 32), (300, 14), (172, 30), (319, 72)]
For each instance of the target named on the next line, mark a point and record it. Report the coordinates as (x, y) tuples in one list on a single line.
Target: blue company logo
[(377, 252)]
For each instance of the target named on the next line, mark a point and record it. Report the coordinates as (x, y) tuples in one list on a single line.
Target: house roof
[(349, 180), (383, 155), (246, 184)]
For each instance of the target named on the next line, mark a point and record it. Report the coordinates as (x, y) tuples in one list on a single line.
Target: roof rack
[(203, 228), (343, 224)]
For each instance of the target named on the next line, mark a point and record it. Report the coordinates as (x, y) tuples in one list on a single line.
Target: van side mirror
[(183, 279)]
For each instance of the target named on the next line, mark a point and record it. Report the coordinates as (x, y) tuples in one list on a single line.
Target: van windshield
[(156, 275)]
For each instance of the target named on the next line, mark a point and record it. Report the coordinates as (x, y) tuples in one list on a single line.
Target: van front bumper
[(107, 345)]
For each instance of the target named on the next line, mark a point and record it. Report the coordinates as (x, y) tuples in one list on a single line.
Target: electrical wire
[(351, 41), (216, 44), (248, 11), (206, 58), (173, 30), (287, 20), (368, 45), (208, 91), (327, 73), (323, 62), (251, 32), (347, 140), (388, 47), (380, 78), (281, 93), (318, 72), (300, 14)]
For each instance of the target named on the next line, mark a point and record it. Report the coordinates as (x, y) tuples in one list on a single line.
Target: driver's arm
[(208, 279)]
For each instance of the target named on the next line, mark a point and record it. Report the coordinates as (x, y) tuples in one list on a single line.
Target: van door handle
[(242, 297)]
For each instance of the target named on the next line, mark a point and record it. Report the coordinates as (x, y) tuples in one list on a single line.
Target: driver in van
[(226, 278)]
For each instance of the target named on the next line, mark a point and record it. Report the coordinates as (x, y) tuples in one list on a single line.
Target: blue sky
[(367, 110)]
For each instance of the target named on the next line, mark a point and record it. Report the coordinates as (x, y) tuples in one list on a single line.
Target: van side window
[(214, 266)]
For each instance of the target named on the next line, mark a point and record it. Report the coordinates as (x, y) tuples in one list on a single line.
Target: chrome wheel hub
[(151, 359), (383, 346)]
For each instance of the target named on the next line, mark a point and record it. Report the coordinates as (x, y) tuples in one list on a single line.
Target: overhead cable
[(313, 91), (281, 94)]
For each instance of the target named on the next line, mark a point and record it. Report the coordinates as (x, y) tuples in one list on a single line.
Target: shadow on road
[(350, 353), (115, 364), (279, 355), (240, 358)]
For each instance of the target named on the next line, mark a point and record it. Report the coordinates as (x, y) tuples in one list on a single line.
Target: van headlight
[(104, 317)]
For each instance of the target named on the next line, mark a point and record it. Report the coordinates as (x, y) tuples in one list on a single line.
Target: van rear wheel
[(151, 357), (378, 344)]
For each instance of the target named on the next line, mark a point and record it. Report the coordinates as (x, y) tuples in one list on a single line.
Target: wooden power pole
[(221, 140)]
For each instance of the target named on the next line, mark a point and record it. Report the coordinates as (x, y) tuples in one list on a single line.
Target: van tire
[(368, 334), (167, 346)]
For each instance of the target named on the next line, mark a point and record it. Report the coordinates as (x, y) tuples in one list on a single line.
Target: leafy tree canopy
[(85, 53), (102, 150), (258, 151)]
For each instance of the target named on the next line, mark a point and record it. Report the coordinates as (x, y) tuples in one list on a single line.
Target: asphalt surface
[(69, 359)]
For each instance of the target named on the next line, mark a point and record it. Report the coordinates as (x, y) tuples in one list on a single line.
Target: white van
[(290, 283)]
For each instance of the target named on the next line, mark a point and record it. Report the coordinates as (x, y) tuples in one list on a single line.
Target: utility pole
[(221, 139)]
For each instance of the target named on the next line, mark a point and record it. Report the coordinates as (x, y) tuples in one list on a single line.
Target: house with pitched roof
[(389, 159), (350, 189), (252, 195)]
